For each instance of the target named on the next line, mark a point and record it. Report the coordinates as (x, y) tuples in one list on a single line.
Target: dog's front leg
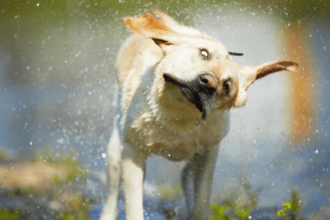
[(133, 174), (114, 173), (203, 164)]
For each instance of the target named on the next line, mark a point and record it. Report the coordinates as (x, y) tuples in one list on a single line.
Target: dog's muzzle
[(199, 92)]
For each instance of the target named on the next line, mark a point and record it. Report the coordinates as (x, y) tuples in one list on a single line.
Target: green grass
[(168, 192), (72, 166), (238, 204), (74, 205), (7, 214), (3, 155), (285, 212), (78, 208)]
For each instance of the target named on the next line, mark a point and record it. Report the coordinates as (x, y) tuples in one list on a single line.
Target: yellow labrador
[(176, 85)]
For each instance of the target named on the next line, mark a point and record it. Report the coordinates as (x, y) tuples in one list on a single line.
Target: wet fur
[(156, 119)]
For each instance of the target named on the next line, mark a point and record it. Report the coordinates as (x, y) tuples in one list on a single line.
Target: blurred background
[(57, 81)]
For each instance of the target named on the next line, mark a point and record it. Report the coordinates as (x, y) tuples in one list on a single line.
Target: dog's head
[(199, 67)]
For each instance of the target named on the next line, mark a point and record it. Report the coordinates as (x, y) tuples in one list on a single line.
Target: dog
[(176, 87)]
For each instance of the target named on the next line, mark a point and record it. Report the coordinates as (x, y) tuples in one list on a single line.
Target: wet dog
[(176, 87)]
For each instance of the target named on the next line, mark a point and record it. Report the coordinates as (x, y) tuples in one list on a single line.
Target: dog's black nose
[(207, 83)]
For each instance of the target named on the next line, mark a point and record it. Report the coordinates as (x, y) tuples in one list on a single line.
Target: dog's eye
[(226, 86), (204, 53)]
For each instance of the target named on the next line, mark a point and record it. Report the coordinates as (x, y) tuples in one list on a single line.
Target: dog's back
[(130, 56), (135, 56)]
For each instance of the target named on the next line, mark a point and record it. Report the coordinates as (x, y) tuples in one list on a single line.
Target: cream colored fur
[(157, 119)]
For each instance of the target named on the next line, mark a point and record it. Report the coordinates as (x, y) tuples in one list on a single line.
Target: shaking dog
[(176, 87)]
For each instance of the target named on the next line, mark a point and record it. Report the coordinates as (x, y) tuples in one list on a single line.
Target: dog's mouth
[(201, 97)]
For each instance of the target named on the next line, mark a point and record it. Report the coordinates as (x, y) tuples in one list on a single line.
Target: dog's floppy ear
[(148, 26), (248, 74), (165, 18)]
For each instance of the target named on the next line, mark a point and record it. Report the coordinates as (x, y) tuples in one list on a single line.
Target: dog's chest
[(177, 140)]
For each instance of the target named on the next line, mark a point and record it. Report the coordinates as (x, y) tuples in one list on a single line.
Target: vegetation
[(167, 192), (291, 210), (69, 202), (285, 213), (7, 214), (237, 205), (78, 208), (73, 168), (3, 155), (234, 208)]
